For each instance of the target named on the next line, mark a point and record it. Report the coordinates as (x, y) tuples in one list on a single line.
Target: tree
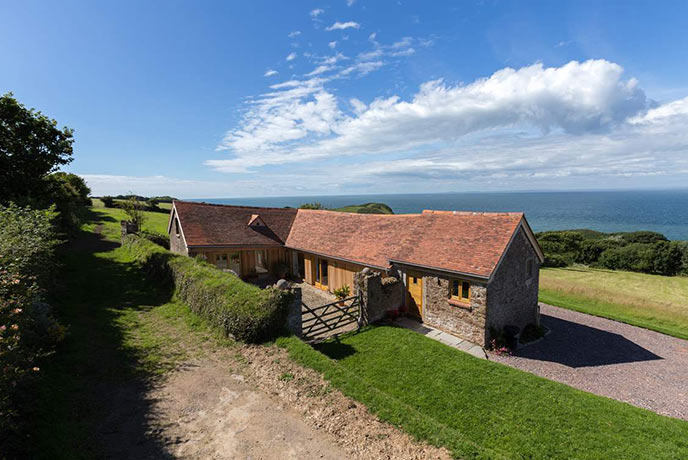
[(31, 147), (69, 193), (134, 209), (314, 205)]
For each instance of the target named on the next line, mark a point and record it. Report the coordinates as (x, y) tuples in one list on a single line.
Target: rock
[(282, 284)]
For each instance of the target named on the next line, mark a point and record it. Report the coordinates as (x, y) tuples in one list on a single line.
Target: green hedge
[(239, 309)]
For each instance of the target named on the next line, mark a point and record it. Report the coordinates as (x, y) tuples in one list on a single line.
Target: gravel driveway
[(608, 358)]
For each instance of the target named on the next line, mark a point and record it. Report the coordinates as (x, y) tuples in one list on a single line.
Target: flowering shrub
[(27, 328), (499, 348)]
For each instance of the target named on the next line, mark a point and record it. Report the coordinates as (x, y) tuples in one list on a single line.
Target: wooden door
[(414, 297), (321, 273)]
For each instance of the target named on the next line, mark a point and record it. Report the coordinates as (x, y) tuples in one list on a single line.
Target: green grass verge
[(649, 301), (481, 409), (123, 333)]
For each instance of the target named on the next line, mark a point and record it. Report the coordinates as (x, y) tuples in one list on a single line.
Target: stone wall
[(294, 316), (512, 298), (379, 294), (177, 245), (128, 228), (464, 320)]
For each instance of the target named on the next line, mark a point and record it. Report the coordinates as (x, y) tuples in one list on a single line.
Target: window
[(261, 261), (176, 227), (323, 272), (460, 290), (221, 260), (414, 280)]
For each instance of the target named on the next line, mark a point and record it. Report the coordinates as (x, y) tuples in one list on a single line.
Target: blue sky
[(222, 99)]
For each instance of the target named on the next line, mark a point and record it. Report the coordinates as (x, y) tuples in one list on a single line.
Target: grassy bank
[(120, 327), (480, 409), (650, 301)]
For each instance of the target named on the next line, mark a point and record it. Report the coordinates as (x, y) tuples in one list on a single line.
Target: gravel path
[(608, 358)]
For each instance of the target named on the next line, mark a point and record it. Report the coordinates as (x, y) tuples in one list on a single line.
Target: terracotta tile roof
[(463, 242), (206, 224)]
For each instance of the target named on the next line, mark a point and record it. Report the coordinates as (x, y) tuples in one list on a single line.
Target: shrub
[(643, 236), (238, 309), (560, 248), (108, 201), (28, 330), (591, 250), (134, 210), (314, 205), (659, 258), (158, 238)]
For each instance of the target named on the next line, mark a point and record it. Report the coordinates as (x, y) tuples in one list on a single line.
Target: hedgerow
[(28, 330), (238, 309)]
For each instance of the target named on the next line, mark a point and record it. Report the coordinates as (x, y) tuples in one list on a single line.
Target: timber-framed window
[(460, 290)]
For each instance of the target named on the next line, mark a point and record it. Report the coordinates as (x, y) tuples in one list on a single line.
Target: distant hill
[(367, 208)]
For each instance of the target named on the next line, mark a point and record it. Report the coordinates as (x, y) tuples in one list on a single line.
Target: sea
[(606, 211)]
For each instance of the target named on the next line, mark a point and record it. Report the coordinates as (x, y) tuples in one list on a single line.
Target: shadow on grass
[(92, 397), (335, 349)]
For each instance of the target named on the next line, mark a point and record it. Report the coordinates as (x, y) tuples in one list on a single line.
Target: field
[(480, 409), (109, 218), (654, 302)]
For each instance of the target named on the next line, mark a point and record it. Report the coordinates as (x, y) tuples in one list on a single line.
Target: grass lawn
[(120, 340), (481, 409), (110, 218), (654, 302)]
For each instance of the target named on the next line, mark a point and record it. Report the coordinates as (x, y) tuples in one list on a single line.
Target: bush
[(591, 250), (238, 309), (660, 258), (28, 330), (643, 237), (108, 201), (560, 248), (157, 238)]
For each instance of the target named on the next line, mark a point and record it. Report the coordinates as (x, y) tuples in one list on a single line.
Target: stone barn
[(467, 273)]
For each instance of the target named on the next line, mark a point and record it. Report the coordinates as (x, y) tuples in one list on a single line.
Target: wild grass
[(110, 219), (654, 302), (123, 333), (480, 409)]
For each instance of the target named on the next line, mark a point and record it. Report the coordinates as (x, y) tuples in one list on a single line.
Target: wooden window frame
[(459, 298)]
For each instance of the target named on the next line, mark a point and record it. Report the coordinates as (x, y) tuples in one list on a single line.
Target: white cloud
[(302, 121), (406, 52), (350, 2), (332, 45), (343, 25), (295, 33), (320, 69), (270, 73), (291, 56), (316, 12)]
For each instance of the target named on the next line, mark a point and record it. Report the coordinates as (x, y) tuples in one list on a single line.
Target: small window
[(414, 280), (460, 290), (176, 227)]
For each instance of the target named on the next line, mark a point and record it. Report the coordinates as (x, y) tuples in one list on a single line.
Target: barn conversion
[(468, 273)]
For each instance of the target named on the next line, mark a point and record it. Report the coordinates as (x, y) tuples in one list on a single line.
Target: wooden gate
[(331, 319)]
